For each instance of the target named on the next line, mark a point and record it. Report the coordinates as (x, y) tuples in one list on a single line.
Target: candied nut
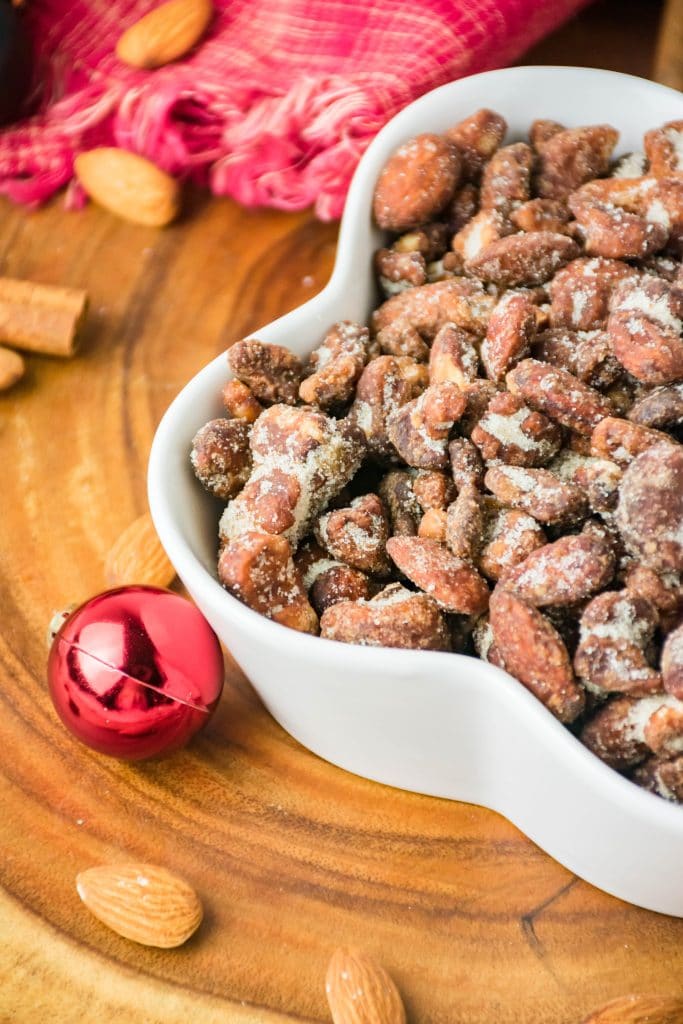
[(541, 215), (433, 525), (221, 457), (478, 393), (558, 394), (510, 331), (650, 510), (615, 733), (585, 354), (476, 234), (452, 582), (272, 372), (396, 491), (599, 479), (525, 258), (512, 433), (630, 165), (534, 652), (616, 630), (564, 572), (453, 356), (664, 149), (357, 535), (509, 537), (419, 429), (612, 230), (301, 458), (239, 401), (622, 441), (477, 138), (466, 464), (542, 131), (538, 492), (581, 292), (672, 662), (336, 366), (506, 181), (465, 524), (401, 339), (257, 569), (662, 407), (396, 617), (645, 329), (663, 591), (433, 489), (571, 157), (385, 385), (664, 727), (326, 580), (427, 308), (663, 776), (399, 270), (416, 182), (431, 241), (462, 207)]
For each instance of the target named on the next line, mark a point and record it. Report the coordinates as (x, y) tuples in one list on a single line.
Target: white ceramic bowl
[(442, 724)]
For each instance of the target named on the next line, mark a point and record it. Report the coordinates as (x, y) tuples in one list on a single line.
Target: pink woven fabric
[(274, 107)]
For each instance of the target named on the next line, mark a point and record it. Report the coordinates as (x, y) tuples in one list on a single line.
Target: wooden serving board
[(290, 855)]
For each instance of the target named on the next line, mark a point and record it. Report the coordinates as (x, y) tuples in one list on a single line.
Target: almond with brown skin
[(165, 34), (640, 1009), (138, 557), (142, 902), (360, 991), (128, 185)]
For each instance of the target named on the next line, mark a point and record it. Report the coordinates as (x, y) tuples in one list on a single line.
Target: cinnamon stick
[(41, 317)]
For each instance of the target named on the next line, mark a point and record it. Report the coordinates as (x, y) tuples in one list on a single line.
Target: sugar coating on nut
[(357, 535), (336, 366), (564, 572), (221, 457), (416, 183), (510, 331), (616, 630), (396, 617), (510, 432), (272, 372), (650, 510), (453, 583)]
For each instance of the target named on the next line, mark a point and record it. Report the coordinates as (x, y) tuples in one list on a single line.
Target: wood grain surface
[(290, 855)]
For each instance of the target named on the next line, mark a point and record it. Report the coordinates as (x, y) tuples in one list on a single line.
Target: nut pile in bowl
[(492, 466)]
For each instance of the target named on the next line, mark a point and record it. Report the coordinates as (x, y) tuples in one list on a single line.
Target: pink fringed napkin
[(273, 108)]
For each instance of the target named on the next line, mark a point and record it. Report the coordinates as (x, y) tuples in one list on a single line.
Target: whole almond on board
[(643, 1009), (142, 902), (359, 991), (165, 34), (128, 185), (138, 557), (12, 368)]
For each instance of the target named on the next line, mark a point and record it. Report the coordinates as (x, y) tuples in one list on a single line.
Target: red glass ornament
[(135, 672)]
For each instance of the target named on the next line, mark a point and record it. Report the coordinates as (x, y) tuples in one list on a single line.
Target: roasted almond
[(359, 991), (165, 34), (12, 368), (128, 185), (645, 1009), (142, 902), (138, 557)]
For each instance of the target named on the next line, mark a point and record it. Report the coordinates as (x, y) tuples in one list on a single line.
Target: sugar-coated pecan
[(525, 258), (476, 234), (506, 182), (650, 510), (336, 366), (672, 662), (664, 728), (661, 265), (427, 308), (419, 429), (477, 138), (616, 630), (416, 183), (431, 241), (221, 457), (465, 524), (541, 215), (571, 157), (239, 401), (630, 165), (598, 478), (397, 271), (538, 492), (510, 331), (615, 733), (433, 525), (385, 385), (581, 292), (452, 582), (396, 491), (453, 356), (512, 433), (564, 572), (462, 207), (611, 230), (663, 776), (466, 464), (433, 489), (558, 394), (585, 354), (664, 149), (272, 372), (301, 458), (401, 339), (396, 617), (664, 592), (535, 653), (257, 569), (357, 535), (327, 580), (541, 131), (662, 407), (623, 441), (645, 327), (509, 537)]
